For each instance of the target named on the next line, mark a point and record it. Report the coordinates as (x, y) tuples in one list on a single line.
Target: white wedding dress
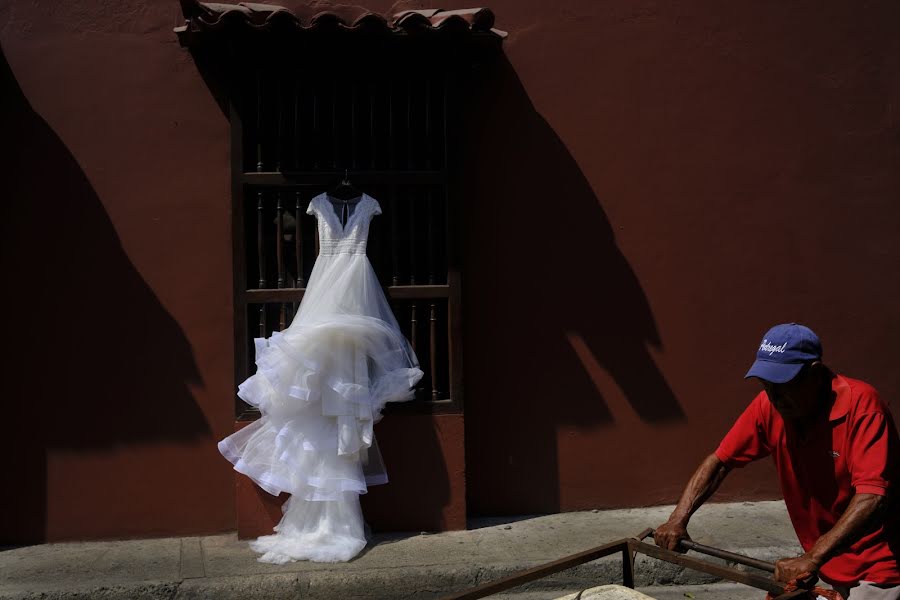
[(320, 386)]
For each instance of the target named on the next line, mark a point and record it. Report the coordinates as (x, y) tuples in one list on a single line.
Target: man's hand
[(703, 483), (669, 534), (788, 569)]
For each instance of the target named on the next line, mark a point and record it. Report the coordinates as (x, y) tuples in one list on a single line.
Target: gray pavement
[(393, 566), (710, 591)]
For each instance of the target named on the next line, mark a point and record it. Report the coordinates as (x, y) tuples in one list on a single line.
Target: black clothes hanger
[(345, 191), (346, 195)]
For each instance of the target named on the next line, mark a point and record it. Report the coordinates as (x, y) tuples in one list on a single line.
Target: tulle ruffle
[(351, 364), (320, 388)]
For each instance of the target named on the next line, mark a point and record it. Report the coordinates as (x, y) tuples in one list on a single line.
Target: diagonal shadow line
[(98, 361)]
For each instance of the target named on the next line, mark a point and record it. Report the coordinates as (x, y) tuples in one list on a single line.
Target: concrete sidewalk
[(393, 566)]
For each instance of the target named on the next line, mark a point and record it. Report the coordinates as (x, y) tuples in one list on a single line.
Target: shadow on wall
[(94, 361), (549, 300), (419, 490)]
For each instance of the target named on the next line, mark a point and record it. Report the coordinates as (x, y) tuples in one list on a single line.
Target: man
[(836, 451)]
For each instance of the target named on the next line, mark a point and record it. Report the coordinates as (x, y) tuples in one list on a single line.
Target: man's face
[(798, 398)]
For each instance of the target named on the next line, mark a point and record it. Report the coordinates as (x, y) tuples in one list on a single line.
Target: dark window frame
[(300, 184)]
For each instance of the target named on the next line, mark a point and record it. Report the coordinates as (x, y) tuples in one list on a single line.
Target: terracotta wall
[(116, 257), (652, 185), (648, 187)]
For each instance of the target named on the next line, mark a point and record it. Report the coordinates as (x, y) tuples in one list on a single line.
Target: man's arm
[(702, 485), (863, 508)]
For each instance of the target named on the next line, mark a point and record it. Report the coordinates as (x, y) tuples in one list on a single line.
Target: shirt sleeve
[(871, 445), (747, 440)]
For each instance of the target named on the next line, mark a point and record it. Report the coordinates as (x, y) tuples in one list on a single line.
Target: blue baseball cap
[(783, 351)]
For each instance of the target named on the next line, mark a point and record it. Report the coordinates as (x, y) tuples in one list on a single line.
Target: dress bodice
[(350, 238)]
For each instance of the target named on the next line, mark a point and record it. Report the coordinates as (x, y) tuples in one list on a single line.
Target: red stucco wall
[(117, 244), (659, 183), (647, 188)]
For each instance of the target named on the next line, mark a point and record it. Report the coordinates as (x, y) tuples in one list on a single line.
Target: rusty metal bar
[(726, 555), (628, 568), (629, 547), (516, 579), (752, 579), (718, 553)]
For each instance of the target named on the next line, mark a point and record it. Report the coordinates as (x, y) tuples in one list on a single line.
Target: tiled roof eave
[(202, 18)]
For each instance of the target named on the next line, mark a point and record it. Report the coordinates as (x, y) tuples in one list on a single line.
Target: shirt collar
[(841, 406)]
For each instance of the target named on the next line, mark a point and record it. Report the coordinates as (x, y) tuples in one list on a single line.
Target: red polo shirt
[(855, 450)]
